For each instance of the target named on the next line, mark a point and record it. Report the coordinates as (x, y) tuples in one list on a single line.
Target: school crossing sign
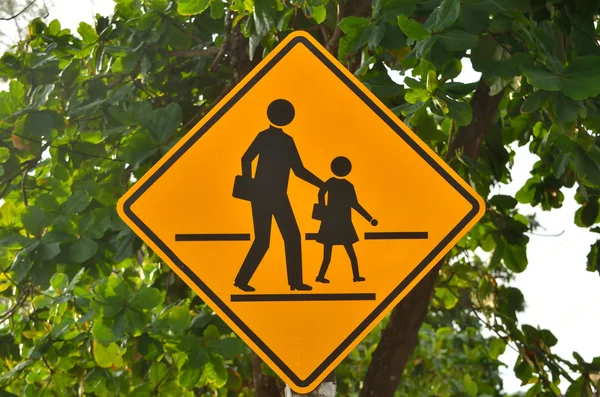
[(301, 210)]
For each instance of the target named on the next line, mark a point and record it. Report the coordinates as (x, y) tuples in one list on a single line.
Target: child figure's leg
[(326, 259), (353, 262)]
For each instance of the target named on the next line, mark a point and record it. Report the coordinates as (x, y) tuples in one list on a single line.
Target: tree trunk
[(264, 385), (400, 337)]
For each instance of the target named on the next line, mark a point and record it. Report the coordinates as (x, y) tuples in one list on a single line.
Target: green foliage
[(86, 308)]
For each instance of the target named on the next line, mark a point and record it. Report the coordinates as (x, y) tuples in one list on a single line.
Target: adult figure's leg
[(262, 217), (286, 221)]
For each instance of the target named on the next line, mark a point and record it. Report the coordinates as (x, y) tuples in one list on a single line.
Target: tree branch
[(192, 53), (226, 43), (19, 13), (332, 43), (399, 338)]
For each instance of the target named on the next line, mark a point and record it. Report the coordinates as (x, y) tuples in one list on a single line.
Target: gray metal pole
[(327, 388)]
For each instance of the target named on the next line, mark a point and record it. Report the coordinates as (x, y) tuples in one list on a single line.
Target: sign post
[(327, 388), (301, 199)]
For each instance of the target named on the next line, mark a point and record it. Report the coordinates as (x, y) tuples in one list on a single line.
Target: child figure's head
[(341, 166)]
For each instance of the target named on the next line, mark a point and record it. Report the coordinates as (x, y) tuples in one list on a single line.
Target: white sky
[(560, 294)]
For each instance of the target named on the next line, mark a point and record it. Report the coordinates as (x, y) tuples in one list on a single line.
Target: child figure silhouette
[(336, 225)]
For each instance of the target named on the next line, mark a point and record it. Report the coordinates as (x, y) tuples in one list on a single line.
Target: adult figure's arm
[(300, 171), (250, 155), (322, 192)]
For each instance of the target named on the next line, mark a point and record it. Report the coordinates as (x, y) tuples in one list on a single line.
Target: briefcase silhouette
[(243, 188), (319, 212)]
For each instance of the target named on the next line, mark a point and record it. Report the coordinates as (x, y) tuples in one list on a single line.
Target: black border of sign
[(212, 296)]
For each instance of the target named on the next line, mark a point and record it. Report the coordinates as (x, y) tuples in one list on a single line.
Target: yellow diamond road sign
[(301, 210)]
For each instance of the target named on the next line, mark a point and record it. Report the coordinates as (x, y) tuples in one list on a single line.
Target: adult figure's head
[(341, 166), (280, 112)]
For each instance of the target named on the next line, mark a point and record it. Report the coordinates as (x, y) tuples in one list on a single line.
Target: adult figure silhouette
[(277, 156)]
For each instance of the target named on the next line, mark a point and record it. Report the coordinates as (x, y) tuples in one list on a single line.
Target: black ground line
[(213, 237), (302, 297)]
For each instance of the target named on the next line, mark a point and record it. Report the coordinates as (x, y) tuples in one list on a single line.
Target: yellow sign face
[(301, 210)]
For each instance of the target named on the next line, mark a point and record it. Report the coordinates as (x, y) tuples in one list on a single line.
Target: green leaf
[(319, 13), (41, 301), (47, 203), (388, 10), (82, 250), (149, 347), (486, 52), (189, 377), (265, 16), (585, 167), (147, 298), (353, 25), (548, 338), (54, 27), (107, 330), (451, 69), (62, 327), (565, 108), (76, 279), (87, 33), (484, 289), (580, 79), (523, 371), (158, 5), (4, 154), (508, 68), (460, 111), (425, 126), (515, 257), (157, 374), (61, 172), (192, 7), (578, 388), (59, 281), (593, 258), (34, 220), (560, 165), (415, 96), (497, 347), (457, 40), (542, 79), (447, 298), (227, 347), (534, 101), (446, 14), (77, 202), (198, 357), (22, 263), (380, 83), (163, 122), (490, 6), (470, 386), (179, 318), (423, 46), (215, 371), (503, 201), (589, 214), (411, 28), (459, 89), (376, 35), (108, 356), (211, 333)]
